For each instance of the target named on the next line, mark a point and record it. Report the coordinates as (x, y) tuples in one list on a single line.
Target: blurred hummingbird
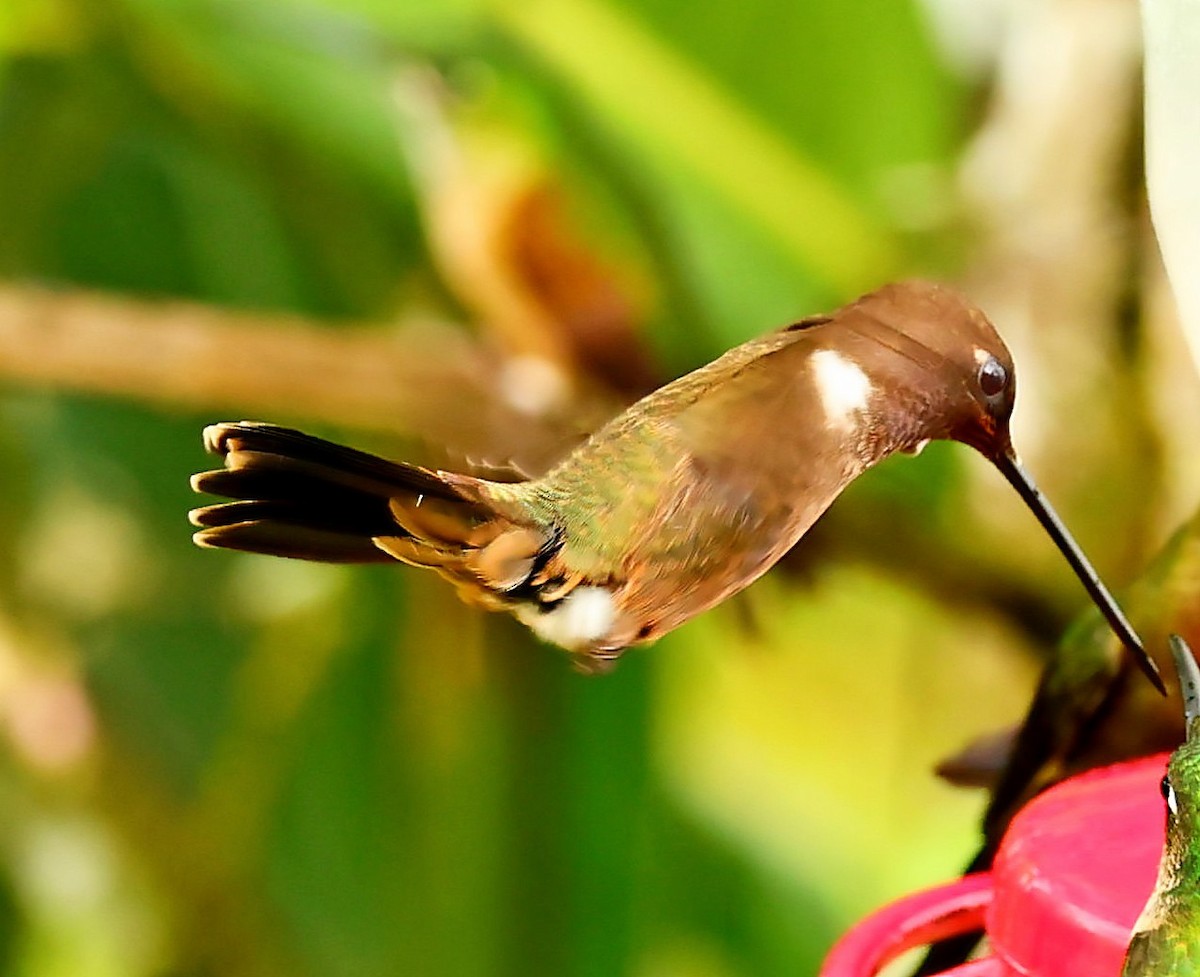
[(1089, 710), (683, 499), (1166, 937)]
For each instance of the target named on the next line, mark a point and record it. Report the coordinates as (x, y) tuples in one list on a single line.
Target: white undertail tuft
[(584, 617)]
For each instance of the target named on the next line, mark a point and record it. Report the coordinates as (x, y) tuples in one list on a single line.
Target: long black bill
[(1020, 480), (1189, 680)]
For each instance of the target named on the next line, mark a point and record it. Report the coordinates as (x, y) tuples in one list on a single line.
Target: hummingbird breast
[(699, 489)]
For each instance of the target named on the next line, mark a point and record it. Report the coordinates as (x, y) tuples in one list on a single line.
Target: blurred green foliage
[(222, 764)]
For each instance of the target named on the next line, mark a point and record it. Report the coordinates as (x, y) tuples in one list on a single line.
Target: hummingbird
[(1088, 710), (683, 499), (1166, 937)]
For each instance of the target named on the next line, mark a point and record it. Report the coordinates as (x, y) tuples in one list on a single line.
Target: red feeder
[(1072, 875)]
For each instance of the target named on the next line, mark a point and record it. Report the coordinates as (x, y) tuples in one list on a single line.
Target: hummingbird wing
[(1071, 695), (981, 762), (1039, 748)]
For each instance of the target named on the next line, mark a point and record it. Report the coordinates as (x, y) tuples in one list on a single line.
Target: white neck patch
[(844, 389)]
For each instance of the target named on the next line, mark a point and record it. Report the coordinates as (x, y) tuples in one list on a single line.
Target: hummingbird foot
[(596, 661)]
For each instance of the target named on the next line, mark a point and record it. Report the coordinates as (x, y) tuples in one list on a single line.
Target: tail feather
[(302, 514), (250, 445), (288, 539), (299, 496), (306, 498)]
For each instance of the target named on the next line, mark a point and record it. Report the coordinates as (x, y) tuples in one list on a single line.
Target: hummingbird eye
[(993, 378)]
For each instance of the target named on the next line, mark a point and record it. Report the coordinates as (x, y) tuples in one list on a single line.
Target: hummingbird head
[(986, 402), (946, 372)]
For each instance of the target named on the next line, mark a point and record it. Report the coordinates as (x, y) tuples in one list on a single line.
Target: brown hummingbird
[(681, 500)]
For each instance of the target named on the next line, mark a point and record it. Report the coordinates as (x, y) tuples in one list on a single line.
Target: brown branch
[(425, 380)]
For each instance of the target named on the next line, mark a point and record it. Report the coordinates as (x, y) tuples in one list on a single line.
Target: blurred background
[(465, 232)]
